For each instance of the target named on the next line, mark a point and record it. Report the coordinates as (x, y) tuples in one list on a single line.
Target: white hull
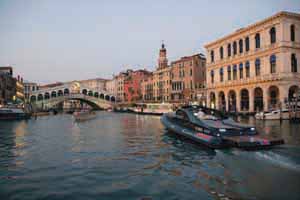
[(274, 115)]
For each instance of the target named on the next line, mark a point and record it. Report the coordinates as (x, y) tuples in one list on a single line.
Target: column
[(227, 101), (283, 94), (265, 98), (251, 100), (238, 101), (208, 99), (217, 101)]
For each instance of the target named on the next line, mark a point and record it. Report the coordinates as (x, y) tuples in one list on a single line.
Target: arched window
[(229, 72), (229, 50), (294, 63), (257, 40), (292, 32), (212, 76), (241, 70), (221, 53), (241, 45), (273, 63), (234, 72), (257, 67), (221, 75), (212, 56), (234, 48), (272, 35), (247, 44), (247, 66)]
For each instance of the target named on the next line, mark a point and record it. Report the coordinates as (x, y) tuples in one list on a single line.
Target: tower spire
[(162, 60)]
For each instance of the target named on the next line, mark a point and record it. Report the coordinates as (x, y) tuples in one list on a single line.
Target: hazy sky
[(60, 40)]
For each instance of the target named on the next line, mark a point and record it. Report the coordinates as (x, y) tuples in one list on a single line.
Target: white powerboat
[(275, 114)]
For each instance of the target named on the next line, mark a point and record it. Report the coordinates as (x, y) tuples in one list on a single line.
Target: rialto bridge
[(51, 96)]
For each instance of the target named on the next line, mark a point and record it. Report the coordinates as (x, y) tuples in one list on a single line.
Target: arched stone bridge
[(49, 97)]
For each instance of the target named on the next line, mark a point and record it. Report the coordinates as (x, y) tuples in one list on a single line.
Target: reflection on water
[(126, 156)]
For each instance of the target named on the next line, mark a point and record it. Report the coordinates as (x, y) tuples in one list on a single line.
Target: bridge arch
[(96, 94), (60, 93), (90, 93), (40, 97), (84, 91), (53, 94), (47, 95), (101, 96), (112, 99), (107, 97), (66, 91), (33, 98)]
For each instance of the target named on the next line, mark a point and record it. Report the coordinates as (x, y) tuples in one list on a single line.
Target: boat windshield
[(200, 114)]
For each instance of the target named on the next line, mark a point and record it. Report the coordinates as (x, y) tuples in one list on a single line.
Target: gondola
[(215, 130)]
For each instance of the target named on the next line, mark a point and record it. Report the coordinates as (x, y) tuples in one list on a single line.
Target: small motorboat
[(275, 114), (84, 115), (13, 113), (215, 130)]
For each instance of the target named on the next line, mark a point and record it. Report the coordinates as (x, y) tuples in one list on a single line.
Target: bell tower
[(162, 60)]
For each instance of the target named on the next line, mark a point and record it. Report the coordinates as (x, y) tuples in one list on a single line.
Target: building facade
[(188, 76), (95, 84), (133, 85), (20, 89), (111, 86), (147, 88), (29, 87), (11, 89), (256, 67), (162, 78), (7, 85)]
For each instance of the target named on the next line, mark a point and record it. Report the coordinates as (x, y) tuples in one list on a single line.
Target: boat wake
[(280, 159)]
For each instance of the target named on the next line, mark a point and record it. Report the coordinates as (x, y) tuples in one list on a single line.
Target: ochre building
[(256, 67)]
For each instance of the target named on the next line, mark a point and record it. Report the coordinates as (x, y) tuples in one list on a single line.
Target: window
[(191, 72), (241, 70), (221, 75), (273, 63), (293, 63), (273, 35), (257, 40), (292, 32), (247, 65), (241, 45), (191, 84), (257, 67), (212, 76), (229, 72), (221, 53), (229, 50), (247, 44), (212, 56), (234, 48), (234, 72)]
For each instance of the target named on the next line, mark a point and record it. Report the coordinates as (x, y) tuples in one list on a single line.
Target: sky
[(63, 40)]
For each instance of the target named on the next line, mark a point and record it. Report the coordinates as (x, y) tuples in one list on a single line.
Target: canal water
[(127, 156)]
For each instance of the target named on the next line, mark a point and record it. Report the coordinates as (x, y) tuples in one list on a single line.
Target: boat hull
[(14, 116), (247, 142), (201, 138)]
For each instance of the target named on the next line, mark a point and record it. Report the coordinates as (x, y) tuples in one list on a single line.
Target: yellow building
[(256, 67)]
